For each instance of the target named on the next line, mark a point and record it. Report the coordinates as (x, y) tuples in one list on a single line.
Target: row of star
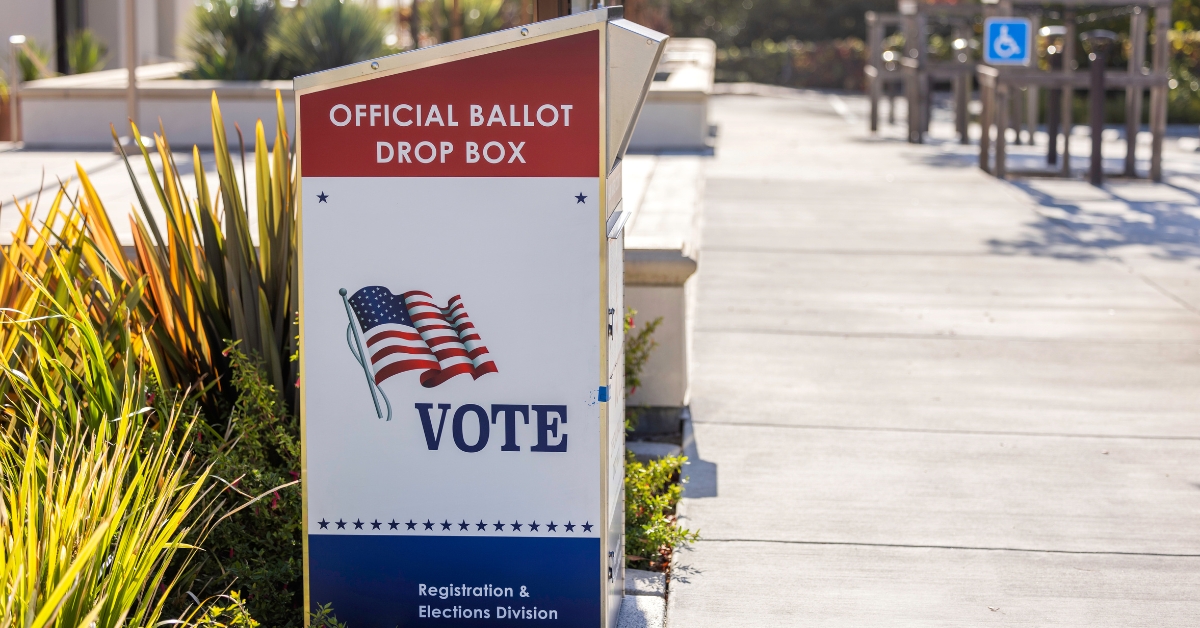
[(324, 198), (462, 526)]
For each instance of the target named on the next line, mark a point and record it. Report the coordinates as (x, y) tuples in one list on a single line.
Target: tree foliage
[(261, 40), (745, 22), (326, 34), (228, 40)]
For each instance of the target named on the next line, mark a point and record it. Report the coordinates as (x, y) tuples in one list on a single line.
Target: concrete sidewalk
[(926, 397)]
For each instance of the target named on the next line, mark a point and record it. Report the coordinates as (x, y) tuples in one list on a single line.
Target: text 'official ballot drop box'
[(460, 324)]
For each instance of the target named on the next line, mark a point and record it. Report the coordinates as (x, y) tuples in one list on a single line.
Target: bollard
[(1054, 55), (1100, 42)]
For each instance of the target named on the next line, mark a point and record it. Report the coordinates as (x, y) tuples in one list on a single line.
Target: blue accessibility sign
[(1007, 41)]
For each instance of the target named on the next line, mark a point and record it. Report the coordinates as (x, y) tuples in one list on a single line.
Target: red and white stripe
[(445, 344)]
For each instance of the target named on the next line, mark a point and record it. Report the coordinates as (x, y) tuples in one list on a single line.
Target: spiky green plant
[(229, 40), (477, 17), (206, 281), (55, 265), (325, 34), (92, 513), (34, 61), (86, 52)]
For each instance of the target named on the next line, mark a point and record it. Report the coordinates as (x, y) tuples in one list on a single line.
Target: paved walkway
[(925, 397)]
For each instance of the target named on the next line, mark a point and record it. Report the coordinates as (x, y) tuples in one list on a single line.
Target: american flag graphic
[(409, 332)]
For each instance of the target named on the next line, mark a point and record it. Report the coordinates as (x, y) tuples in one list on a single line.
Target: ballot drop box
[(461, 326)]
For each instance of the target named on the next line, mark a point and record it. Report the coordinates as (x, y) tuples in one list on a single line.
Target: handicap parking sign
[(1007, 41)]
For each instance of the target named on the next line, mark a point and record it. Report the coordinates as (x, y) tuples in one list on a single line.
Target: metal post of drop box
[(430, 142)]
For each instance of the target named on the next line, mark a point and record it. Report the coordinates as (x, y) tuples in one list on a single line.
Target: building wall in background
[(161, 27), (31, 18), (104, 18)]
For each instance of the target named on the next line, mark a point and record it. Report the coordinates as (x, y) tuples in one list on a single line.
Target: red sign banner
[(510, 113)]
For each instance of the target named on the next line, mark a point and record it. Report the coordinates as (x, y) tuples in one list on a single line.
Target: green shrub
[(323, 617), (637, 352), (86, 52), (740, 23), (229, 40), (325, 34), (652, 491), (259, 40), (224, 611), (478, 17), (835, 64), (257, 547), (34, 61), (1183, 101)]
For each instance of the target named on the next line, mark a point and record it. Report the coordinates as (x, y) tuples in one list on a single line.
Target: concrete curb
[(644, 605), (642, 611)]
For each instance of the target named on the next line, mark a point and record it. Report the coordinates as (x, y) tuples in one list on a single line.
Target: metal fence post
[(1133, 94), (1100, 41), (1068, 91)]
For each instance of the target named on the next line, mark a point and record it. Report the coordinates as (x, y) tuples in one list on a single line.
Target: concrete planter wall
[(675, 116), (662, 240), (76, 111)]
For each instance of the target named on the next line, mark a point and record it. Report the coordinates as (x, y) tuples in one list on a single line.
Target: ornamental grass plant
[(228, 39), (94, 342), (85, 344), (260, 40), (323, 34), (98, 492), (206, 281)]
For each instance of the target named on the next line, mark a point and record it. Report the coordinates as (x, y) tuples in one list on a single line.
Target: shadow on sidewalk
[(1081, 222), (701, 475), (1077, 221)]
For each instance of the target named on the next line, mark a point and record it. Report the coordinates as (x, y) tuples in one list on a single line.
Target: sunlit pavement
[(924, 396)]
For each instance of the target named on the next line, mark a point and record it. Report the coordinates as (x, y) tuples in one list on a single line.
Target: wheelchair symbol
[(1005, 46)]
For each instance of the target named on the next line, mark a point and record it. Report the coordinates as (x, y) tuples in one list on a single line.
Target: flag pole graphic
[(360, 354)]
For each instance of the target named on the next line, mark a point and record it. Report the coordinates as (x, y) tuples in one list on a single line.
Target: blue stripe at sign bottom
[(390, 581)]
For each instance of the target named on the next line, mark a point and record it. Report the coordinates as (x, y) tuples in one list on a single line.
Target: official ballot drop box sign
[(460, 320)]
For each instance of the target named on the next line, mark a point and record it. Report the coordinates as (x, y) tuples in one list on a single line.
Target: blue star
[(464, 525), (481, 525), (323, 198), (341, 524), (499, 526), (570, 527), (324, 524), (445, 525), (579, 199), (358, 524), (534, 526), (587, 527), (375, 524), (428, 524), (411, 524), (393, 525), (516, 526), (552, 527)]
